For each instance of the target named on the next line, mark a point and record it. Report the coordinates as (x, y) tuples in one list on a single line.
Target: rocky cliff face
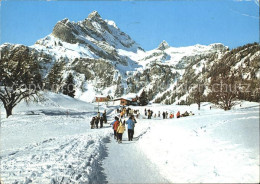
[(96, 30), (105, 60)]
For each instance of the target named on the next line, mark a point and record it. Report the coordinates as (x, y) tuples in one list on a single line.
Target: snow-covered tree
[(20, 79)]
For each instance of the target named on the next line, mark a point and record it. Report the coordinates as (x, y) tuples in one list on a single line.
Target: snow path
[(127, 164)]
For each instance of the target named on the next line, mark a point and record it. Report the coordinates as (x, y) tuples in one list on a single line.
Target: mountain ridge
[(104, 60)]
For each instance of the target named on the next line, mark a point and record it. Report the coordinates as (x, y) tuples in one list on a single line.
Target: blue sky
[(180, 22)]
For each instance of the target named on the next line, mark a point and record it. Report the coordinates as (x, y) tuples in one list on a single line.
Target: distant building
[(129, 99), (121, 101), (101, 99)]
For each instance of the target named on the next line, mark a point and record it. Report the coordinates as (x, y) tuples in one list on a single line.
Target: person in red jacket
[(115, 126), (178, 114)]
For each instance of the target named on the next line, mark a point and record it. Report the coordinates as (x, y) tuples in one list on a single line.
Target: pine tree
[(54, 78), (68, 88), (143, 99)]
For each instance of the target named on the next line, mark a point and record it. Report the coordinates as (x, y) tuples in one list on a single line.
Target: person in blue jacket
[(131, 124)]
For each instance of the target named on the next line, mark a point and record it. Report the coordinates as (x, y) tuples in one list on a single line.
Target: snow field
[(66, 160), (42, 143), (51, 142), (216, 147)]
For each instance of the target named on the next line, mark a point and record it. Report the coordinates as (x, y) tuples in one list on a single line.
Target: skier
[(138, 114), (92, 122), (101, 121), (116, 119), (130, 122), (191, 114), (149, 114), (104, 115), (97, 121), (120, 131), (122, 114), (185, 114), (131, 112), (163, 114), (115, 126), (178, 114), (134, 125)]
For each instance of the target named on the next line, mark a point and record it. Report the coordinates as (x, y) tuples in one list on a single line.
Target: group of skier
[(96, 120), (165, 115), (119, 125), (126, 112)]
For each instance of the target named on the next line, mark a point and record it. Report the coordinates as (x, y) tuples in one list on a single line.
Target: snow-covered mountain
[(242, 62), (105, 60)]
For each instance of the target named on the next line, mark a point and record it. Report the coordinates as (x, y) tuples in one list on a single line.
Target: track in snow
[(127, 164)]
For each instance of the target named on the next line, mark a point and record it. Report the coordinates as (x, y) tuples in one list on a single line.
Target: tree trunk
[(9, 111)]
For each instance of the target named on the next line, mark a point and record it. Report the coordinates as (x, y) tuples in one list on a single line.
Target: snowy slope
[(41, 143), (174, 55), (211, 146), (51, 142)]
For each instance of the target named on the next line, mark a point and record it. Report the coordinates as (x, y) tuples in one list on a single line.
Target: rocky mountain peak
[(64, 21), (164, 45), (65, 31), (219, 46), (94, 15), (105, 35)]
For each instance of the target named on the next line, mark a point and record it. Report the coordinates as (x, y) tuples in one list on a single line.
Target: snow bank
[(211, 146), (76, 159), (51, 142)]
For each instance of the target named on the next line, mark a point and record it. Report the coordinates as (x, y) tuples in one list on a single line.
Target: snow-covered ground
[(52, 142), (211, 146)]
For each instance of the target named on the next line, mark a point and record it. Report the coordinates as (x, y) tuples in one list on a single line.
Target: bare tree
[(197, 94), (20, 78), (224, 91)]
